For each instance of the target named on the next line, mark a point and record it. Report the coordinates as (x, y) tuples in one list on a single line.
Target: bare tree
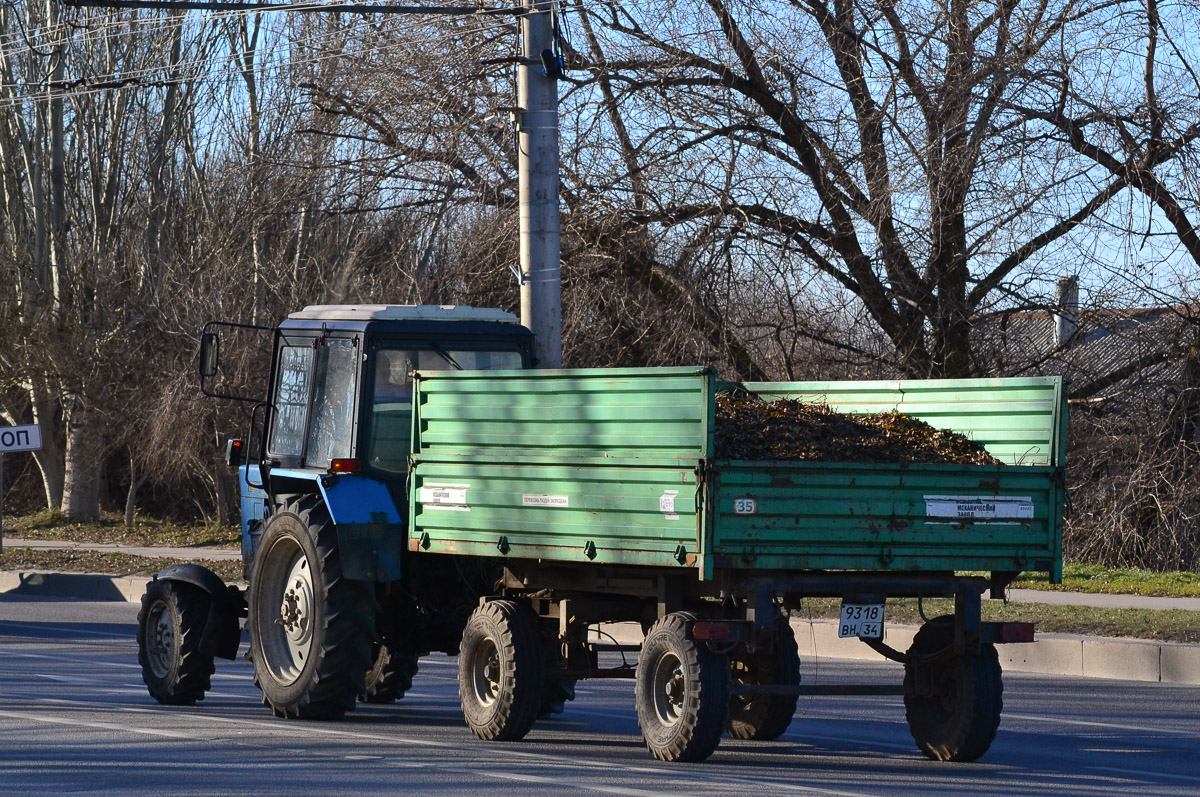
[(77, 160), (868, 142)]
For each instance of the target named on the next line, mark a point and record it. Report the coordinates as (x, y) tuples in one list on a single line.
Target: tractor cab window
[(290, 418), (332, 428), (390, 440)]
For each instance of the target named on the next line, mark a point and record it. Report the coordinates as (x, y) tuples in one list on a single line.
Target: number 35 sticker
[(745, 506)]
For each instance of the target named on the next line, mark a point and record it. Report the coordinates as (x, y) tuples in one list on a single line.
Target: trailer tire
[(170, 633), (500, 671), (959, 722), (311, 629), (390, 678), (555, 694), (765, 718), (682, 692)]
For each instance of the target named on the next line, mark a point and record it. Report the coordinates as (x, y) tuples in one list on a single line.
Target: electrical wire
[(125, 27), (201, 69), (103, 29), (273, 7)]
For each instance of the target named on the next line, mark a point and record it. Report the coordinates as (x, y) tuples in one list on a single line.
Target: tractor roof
[(401, 312)]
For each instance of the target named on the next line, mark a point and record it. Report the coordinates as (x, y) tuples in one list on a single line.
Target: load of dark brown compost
[(750, 428)]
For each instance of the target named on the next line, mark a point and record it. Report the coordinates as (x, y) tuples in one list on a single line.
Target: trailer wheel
[(959, 720), (555, 694), (682, 692), (390, 678), (171, 625), (500, 671), (765, 717), (310, 628)]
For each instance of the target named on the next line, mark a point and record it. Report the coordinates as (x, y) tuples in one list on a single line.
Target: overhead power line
[(252, 5)]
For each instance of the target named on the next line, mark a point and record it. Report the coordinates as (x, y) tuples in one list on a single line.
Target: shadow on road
[(78, 586)]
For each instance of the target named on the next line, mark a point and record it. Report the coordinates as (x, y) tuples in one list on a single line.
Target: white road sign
[(20, 438)]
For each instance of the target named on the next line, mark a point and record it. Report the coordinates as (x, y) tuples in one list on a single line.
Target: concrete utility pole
[(537, 166)]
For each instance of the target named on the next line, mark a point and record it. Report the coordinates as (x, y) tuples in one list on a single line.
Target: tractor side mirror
[(210, 354)]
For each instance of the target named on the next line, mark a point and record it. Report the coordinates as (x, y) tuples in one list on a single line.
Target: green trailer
[(602, 496)]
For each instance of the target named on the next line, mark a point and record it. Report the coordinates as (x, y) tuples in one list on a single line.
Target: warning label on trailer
[(545, 500), (972, 507)]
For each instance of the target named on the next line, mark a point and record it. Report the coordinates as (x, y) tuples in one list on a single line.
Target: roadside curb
[(1051, 654), (77, 586)]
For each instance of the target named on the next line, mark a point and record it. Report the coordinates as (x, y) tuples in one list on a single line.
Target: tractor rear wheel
[(311, 629), (171, 625)]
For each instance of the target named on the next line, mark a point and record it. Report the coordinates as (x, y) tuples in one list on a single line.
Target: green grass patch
[(1174, 625), (107, 563), (1079, 577), (111, 529)]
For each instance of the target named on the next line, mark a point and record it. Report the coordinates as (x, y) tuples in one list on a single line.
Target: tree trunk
[(50, 459), (136, 480), (81, 478)]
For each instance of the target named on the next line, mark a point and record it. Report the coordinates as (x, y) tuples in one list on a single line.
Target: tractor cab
[(337, 420)]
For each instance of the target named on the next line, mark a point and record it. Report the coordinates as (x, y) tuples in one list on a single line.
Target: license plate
[(861, 620)]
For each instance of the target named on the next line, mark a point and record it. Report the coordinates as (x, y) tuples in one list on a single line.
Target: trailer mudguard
[(370, 531), (222, 631)]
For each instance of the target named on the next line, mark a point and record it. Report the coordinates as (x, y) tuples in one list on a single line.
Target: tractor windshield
[(390, 440)]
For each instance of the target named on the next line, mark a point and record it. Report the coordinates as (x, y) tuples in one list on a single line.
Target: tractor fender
[(226, 606), (370, 529)]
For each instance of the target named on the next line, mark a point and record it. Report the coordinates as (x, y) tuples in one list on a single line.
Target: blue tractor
[(337, 609)]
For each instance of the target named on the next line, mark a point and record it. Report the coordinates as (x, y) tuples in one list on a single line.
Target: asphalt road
[(74, 716)]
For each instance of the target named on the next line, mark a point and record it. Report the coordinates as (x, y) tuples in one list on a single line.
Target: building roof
[(1105, 352)]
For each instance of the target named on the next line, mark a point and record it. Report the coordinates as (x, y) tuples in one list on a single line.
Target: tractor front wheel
[(171, 625)]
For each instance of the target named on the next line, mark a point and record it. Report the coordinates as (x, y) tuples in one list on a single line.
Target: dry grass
[(107, 563), (111, 529)]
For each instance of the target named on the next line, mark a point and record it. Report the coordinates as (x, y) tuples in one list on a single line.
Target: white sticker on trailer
[(974, 507), (666, 504), (560, 501), (444, 496)]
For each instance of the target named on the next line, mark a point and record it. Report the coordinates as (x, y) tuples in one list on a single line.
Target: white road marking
[(90, 662), (109, 634), (104, 726), (801, 736), (1144, 773), (558, 783), (1105, 725), (81, 660), (489, 769)]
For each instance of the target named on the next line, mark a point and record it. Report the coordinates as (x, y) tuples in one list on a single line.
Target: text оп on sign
[(20, 438)]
